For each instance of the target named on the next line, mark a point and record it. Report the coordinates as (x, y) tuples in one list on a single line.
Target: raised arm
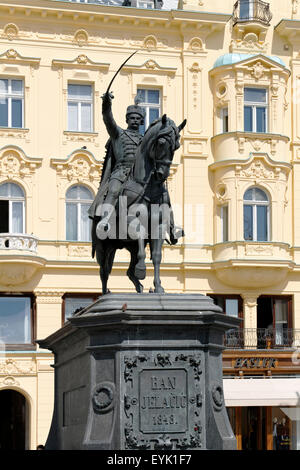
[(108, 118)]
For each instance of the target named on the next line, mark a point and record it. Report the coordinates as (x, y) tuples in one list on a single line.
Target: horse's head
[(164, 140)]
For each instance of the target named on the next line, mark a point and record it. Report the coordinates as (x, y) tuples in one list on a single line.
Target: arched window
[(12, 208), (78, 224), (256, 215)]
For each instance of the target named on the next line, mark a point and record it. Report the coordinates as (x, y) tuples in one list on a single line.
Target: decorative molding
[(49, 296), (14, 163), (150, 43), (11, 31), (258, 170), (258, 71), (253, 249), (81, 37), (150, 65), (81, 166), (295, 7), (81, 61), (17, 367), (71, 136), (9, 382), (79, 251), (7, 132), (11, 55), (196, 45)]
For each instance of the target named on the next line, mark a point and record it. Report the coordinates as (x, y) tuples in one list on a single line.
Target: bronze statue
[(135, 171)]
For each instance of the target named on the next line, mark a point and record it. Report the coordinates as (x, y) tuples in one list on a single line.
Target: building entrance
[(253, 424), (13, 420)]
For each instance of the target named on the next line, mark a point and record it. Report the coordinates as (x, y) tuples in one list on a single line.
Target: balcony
[(246, 11), (19, 260), (23, 242), (262, 338)]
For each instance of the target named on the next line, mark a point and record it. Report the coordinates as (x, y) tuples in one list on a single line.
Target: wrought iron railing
[(251, 10), (262, 338), (18, 241)]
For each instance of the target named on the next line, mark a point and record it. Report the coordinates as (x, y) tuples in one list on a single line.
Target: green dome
[(235, 57)]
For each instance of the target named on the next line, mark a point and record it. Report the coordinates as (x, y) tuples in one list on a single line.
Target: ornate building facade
[(233, 70)]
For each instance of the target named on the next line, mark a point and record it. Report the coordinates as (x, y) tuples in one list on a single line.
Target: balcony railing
[(18, 241), (262, 338), (252, 10)]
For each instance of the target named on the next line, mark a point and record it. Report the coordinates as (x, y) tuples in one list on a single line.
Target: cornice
[(289, 28), (83, 12), (150, 66), (81, 61), (253, 156), (12, 56)]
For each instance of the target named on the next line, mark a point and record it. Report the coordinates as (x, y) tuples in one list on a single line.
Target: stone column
[(250, 319), (48, 311)]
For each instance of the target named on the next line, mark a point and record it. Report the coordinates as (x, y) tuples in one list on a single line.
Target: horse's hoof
[(159, 290), (140, 273), (140, 289)]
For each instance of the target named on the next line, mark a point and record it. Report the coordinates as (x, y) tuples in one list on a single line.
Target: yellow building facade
[(233, 70)]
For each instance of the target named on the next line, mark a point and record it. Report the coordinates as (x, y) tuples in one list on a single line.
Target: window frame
[(10, 96), (11, 200), (254, 105), (254, 203), (146, 105), (78, 107), (76, 295), (223, 225), (231, 297), (78, 203), (24, 346), (225, 120)]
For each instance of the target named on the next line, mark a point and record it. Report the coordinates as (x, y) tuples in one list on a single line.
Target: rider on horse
[(119, 160)]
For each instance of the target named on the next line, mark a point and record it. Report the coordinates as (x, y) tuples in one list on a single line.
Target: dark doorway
[(264, 312), (12, 420), (253, 428)]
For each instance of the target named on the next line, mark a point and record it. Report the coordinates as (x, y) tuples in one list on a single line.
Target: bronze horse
[(144, 188)]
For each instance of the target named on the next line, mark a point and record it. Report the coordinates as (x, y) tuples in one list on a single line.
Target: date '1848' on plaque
[(163, 401)]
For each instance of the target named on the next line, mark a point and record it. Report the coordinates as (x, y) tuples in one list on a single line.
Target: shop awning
[(262, 392)]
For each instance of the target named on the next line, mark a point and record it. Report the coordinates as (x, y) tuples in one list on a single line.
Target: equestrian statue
[(132, 207)]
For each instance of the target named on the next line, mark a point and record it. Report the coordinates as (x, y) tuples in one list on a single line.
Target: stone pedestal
[(141, 371)]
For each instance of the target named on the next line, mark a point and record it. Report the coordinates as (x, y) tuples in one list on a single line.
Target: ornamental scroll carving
[(14, 367), (81, 167), (14, 164)]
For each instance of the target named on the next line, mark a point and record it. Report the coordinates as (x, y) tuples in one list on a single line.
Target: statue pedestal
[(141, 371)]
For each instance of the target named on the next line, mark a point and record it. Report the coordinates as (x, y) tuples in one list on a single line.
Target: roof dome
[(235, 57)]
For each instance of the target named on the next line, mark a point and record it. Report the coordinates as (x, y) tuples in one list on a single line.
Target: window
[(246, 9), (150, 101), (16, 320), (256, 215), (224, 223), (78, 224), (12, 208), (80, 108), (73, 303), (225, 120), (11, 103), (274, 320), (230, 304), (255, 110), (145, 4)]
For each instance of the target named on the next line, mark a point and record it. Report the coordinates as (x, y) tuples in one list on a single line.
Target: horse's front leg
[(156, 251), (140, 267)]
